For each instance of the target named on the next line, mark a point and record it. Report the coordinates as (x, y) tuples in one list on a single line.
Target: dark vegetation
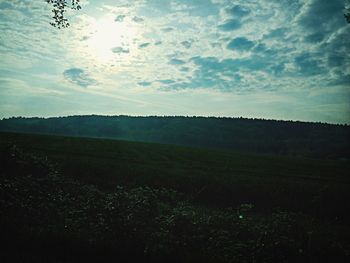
[(65, 199), (316, 140), (59, 8)]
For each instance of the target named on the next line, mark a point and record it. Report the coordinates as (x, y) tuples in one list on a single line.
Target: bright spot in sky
[(108, 36), (161, 57)]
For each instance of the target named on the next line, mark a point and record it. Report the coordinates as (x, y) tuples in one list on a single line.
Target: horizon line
[(175, 116)]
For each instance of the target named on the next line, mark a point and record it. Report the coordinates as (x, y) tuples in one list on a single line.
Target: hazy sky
[(276, 59)]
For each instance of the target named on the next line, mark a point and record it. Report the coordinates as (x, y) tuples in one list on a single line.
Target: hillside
[(315, 140), (216, 177), (66, 199)]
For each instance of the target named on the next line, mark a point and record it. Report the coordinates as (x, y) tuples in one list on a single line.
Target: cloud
[(276, 33), (334, 55), (5, 5), (144, 83), (314, 38), (336, 60), (144, 45), (166, 81), (308, 64), (343, 80), (120, 18), (120, 50), (176, 62), (320, 18), (240, 44), (79, 77), (246, 74), (230, 25), (137, 19), (238, 11), (84, 38), (186, 44), (167, 29), (200, 8), (210, 73)]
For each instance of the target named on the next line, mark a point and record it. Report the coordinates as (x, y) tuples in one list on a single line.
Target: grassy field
[(209, 180), (222, 177)]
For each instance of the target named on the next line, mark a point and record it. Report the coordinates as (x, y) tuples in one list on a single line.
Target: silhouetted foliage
[(347, 11), (347, 15), (59, 9)]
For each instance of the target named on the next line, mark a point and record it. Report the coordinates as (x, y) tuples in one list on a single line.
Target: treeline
[(317, 140)]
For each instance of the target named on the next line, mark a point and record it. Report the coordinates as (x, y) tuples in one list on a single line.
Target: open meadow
[(158, 202)]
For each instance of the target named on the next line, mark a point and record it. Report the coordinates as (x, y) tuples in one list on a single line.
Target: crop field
[(170, 200)]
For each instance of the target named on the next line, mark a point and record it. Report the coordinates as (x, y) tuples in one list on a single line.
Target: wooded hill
[(316, 140)]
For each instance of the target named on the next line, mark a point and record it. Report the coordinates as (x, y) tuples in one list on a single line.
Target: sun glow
[(111, 39)]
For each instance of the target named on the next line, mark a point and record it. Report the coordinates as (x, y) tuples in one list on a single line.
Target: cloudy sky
[(275, 59)]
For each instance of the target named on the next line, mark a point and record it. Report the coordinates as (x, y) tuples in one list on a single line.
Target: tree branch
[(59, 9)]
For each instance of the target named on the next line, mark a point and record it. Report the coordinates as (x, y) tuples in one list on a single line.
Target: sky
[(272, 59)]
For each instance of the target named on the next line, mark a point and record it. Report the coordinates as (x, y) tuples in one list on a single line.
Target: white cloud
[(186, 67)]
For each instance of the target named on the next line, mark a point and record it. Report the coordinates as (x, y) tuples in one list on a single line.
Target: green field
[(212, 182)]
